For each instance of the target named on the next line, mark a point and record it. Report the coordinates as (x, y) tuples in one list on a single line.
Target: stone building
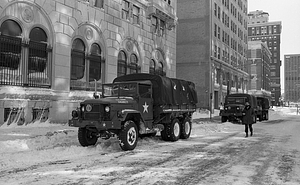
[(212, 48), (260, 28), (259, 58), (54, 53)]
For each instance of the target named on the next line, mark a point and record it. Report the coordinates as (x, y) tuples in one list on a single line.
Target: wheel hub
[(131, 136)]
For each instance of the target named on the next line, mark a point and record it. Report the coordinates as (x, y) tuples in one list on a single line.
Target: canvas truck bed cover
[(166, 91)]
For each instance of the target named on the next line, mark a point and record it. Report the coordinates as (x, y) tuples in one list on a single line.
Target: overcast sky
[(288, 13)]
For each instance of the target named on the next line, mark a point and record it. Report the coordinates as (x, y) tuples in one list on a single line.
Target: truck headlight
[(74, 114), (107, 109)]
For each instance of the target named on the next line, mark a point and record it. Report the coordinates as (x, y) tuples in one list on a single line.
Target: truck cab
[(234, 106)]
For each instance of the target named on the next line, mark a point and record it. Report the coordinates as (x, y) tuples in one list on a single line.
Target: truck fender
[(135, 116)]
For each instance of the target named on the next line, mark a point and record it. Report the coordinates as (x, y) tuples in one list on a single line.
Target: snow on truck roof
[(166, 90)]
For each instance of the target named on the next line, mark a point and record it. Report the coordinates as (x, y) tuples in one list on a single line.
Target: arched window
[(10, 28), (133, 67), (122, 63), (160, 70), (152, 67), (77, 60), (95, 63), (10, 53), (37, 61)]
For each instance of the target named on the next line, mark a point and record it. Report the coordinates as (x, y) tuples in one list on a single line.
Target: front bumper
[(100, 125), (231, 114)]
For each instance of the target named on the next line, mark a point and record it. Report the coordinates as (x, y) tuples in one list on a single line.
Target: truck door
[(146, 101)]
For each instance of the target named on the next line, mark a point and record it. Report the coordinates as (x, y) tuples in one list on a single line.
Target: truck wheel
[(171, 131), (128, 136), (223, 119), (186, 127), (86, 137)]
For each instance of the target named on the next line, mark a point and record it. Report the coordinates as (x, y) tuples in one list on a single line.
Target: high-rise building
[(212, 48), (53, 54), (259, 28), (259, 58), (291, 78)]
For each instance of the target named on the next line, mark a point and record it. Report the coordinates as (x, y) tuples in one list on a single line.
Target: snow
[(22, 146)]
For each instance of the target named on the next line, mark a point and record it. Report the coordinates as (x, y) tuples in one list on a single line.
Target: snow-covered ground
[(38, 144)]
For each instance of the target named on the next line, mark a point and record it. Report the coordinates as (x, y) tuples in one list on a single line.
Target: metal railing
[(18, 67)]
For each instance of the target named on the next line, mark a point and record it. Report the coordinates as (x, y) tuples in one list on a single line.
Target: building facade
[(268, 32), (212, 48), (55, 53), (292, 78), (259, 58)]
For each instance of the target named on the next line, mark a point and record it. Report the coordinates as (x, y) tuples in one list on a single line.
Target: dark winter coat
[(248, 115)]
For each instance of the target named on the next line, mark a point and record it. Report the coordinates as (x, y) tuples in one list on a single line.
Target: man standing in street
[(247, 119)]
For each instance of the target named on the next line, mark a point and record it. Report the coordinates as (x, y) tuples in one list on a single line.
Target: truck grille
[(94, 114)]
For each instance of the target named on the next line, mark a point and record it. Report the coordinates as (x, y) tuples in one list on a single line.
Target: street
[(214, 154)]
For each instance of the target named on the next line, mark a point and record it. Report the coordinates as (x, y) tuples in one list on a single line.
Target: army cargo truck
[(134, 106), (263, 104), (234, 106)]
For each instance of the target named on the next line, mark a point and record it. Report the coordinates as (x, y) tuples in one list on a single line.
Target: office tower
[(291, 78), (260, 28), (212, 48)]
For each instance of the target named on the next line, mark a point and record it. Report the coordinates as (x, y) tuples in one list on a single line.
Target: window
[(215, 51), (125, 10), (215, 30), (152, 67), (99, 3), (219, 30), (154, 22), (122, 64), (219, 52), (273, 74), (95, 63), (10, 53), (77, 60), (162, 28), (136, 14), (133, 66), (160, 70), (216, 9), (37, 61)]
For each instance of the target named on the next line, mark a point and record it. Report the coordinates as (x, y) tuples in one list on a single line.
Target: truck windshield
[(116, 90), (235, 100)]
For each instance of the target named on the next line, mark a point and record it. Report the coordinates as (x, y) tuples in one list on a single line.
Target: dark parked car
[(234, 105)]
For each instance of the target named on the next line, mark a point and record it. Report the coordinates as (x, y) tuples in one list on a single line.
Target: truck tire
[(86, 137), (171, 131), (128, 136), (186, 128), (223, 119)]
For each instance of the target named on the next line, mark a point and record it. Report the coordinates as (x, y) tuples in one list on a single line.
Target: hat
[(247, 103)]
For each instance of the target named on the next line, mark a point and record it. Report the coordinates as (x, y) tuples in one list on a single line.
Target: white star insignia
[(145, 107)]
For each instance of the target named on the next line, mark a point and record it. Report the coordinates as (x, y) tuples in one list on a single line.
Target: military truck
[(234, 106), (137, 105), (263, 104)]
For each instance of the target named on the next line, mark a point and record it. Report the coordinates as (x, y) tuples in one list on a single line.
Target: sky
[(288, 13)]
